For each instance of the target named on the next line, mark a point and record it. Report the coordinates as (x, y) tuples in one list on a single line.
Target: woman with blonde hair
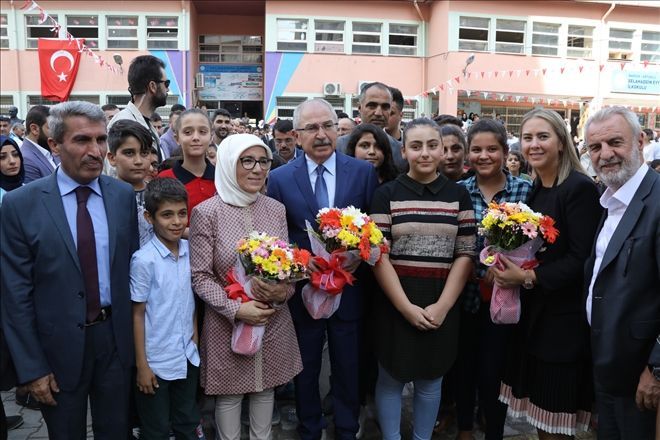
[(548, 378)]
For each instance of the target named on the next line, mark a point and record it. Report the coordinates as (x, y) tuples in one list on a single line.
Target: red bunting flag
[(527, 72), (601, 67), (482, 74), (58, 66), (623, 65), (646, 63), (457, 79), (561, 70), (496, 72), (510, 73), (544, 70), (580, 68)]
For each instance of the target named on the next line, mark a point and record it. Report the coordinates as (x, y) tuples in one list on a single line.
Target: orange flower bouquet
[(515, 231), (345, 237), (269, 258)]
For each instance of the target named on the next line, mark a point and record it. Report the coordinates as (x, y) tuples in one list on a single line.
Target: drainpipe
[(421, 17), (184, 55), (18, 63), (597, 102)]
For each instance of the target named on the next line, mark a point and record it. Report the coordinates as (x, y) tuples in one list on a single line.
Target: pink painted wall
[(395, 10)]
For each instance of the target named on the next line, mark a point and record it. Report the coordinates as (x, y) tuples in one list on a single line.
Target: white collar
[(41, 149), (625, 194), (330, 164)]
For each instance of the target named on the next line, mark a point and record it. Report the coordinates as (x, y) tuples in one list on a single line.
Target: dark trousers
[(620, 419), (105, 381), (480, 366), (174, 402), (343, 343)]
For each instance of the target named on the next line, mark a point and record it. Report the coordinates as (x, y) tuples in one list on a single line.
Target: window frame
[(219, 52), (109, 27), (355, 33), (557, 47), (175, 27), (302, 30), (415, 47), (45, 25), (88, 26), (586, 55), (631, 41), (488, 29), (643, 53), (497, 30), (316, 42), (5, 43)]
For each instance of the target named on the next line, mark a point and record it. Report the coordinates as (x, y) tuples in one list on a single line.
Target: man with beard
[(375, 106), (222, 126), (623, 272), (37, 157), (5, 124), (285, 141), (148, 86), (396, 114), (66, 305)]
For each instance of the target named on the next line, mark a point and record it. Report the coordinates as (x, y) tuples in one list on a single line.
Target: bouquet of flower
[(345, 237), (269, 258), (515, 231)]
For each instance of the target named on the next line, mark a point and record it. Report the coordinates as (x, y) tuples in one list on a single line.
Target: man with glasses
[(317, 179), (285, 141), (148, 86)]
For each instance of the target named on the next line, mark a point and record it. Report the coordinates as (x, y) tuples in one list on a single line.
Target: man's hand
[(146, 380), (648, 391), (269, 292), (43, 388), (254, 313)]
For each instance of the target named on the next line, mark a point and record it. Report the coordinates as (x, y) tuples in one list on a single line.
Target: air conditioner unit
[(361, 84), (199, 80), (331, 89)]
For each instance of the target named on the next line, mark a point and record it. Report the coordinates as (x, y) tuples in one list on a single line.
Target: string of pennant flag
[(45, 18)]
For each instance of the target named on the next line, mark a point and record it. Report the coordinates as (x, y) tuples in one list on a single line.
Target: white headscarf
[(229, 151)]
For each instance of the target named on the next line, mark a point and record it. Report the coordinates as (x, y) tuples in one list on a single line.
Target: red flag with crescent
[(58, 65)]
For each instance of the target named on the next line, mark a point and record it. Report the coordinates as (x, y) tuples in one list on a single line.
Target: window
[(409, 109), (33, 100), (35, 30), (337, 102), (292, 35), (329, 36), (287, 104), (545, 38), (162, 32), (510, 36), (403, 39), (122, 32), (92, 99), (4, 35), (473, 33), (230, 49), (6, 101), (650, 49), (84, 26), (580, 41), (119, 100), (164, 111), (621, 44), (366, 38)]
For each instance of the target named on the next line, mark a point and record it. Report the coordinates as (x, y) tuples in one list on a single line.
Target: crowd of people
[(117, 235)]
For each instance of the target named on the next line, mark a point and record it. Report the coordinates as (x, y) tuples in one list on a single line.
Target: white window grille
[(84, 26), (292, 34), (403, 39), (329, 36), (473, 33), (162, 32), (545, 38), (510, 36), (366, 38), (122, 32)]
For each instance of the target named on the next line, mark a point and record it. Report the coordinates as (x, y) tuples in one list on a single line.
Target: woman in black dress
[(548, 375)]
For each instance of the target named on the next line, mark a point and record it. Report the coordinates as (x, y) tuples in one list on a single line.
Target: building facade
[(264, 57)]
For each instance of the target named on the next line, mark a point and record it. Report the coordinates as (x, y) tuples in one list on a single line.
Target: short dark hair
[(654, 163), (161, 190), (397, 97), (125, 128), (648, 132), (4, 118), (283, 126), (489, 126), (37, 115), (448, 119), (341, 115), (178, 107), (367, 86), (387, 170), (453, 130), (155, 117), (175, 112), (143, 70), (221, 112), (109, 107), (421, 122)]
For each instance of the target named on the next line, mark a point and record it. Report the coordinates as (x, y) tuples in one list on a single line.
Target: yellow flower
[(347, 238)]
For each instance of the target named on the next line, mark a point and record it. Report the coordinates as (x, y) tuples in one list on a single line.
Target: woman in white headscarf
[(216, 226)]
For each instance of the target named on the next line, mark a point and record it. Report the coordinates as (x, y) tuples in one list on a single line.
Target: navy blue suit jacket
[(43, 305), (355, 184), (36, 164)]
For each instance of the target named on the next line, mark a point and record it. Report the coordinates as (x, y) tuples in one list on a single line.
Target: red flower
[(365, 247), (331, 219), (301, 256), (550, 233)]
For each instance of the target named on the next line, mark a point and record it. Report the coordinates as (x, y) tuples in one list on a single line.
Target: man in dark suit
[(345, 181), (65, 246), (623, 272), (37, 157)]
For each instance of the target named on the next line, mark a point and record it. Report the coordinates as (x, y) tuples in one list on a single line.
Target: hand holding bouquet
[(269, 259), (515, 231), (345, 238)]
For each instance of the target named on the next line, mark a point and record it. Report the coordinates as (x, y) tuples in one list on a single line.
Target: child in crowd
[(129, 152), (193, 132), (430, 222), (212, 153), (164, 322)]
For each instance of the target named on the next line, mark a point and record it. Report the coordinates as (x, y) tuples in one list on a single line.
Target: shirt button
[(81, 326), (81, 295)]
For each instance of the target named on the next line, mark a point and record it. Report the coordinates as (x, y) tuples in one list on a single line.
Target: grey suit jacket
[(625, 314), (36, 164), (43, 303)]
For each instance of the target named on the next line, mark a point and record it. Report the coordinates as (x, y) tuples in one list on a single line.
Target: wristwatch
[(528, 283)]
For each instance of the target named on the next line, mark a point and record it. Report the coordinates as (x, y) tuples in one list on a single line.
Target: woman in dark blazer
[(548, 378)]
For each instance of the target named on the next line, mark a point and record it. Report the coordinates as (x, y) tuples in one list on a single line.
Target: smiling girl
[(430, 223)]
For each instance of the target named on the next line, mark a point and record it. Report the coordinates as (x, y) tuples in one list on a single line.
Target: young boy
[(129, 148), (164, 323)]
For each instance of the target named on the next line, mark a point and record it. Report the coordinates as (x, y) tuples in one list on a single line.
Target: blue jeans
[(426, 401)]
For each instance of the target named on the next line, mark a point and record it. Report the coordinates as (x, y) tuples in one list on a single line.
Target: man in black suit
[(66, 242), (623, 272)]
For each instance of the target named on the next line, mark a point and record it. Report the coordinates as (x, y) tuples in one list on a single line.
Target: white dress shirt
[(616, 204), (47, 154), (330, 175)]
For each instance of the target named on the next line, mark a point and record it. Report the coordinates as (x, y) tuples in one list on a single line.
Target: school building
[(264, 57)]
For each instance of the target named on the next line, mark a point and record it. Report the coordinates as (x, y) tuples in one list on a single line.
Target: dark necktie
[(87, 253), (320, 188)]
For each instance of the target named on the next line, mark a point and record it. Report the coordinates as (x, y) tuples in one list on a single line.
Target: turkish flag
[(58, 65)]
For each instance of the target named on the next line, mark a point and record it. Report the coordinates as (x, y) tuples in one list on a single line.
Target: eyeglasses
[(248, 163), (166, 82), (285, 141), (314, 128)]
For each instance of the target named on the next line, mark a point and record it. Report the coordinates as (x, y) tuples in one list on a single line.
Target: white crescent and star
[(59, 54)]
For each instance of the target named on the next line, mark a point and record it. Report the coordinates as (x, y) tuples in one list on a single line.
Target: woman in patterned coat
[(216, 227)]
